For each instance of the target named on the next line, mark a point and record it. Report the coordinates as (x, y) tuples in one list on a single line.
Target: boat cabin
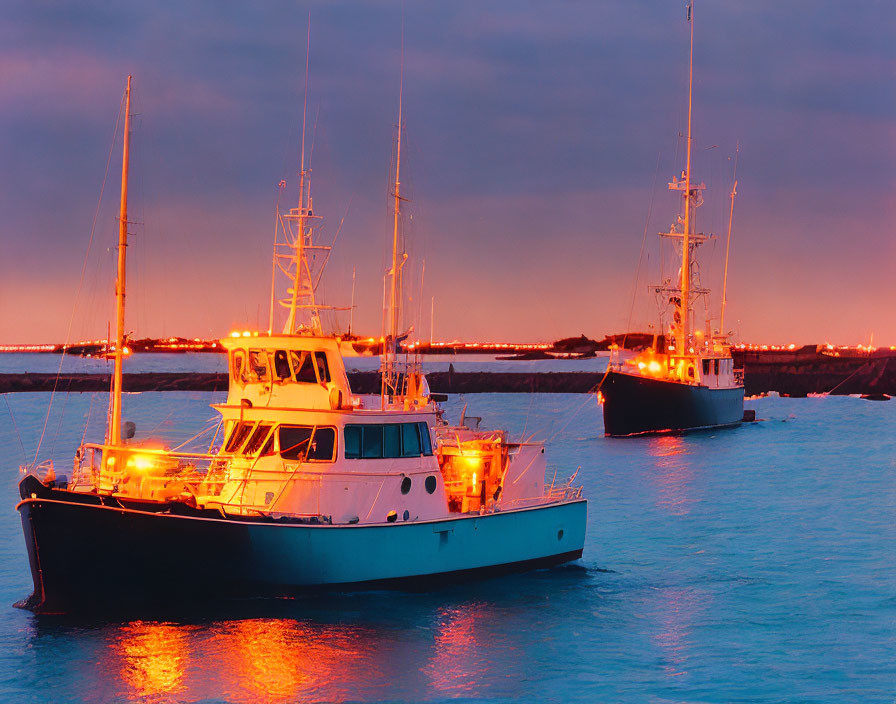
[(287, 371)]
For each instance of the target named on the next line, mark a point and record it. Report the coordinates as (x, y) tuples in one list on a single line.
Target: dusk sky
[(535, 134)]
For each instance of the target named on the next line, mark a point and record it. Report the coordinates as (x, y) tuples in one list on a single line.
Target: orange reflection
[(677, 609), (277, 660), (674, 474), (152, 658), (457, 664)]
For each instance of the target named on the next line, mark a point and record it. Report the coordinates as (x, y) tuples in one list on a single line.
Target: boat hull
[(635, 405), (81, 552)]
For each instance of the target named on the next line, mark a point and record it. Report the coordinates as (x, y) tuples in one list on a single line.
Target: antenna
[(351, 315)]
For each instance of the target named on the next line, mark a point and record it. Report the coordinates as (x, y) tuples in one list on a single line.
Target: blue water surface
[(750, 565)]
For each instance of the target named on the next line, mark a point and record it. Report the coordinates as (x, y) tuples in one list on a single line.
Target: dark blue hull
[(635, 405), (92, 553)]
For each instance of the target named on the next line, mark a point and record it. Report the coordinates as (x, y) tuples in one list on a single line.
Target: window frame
[(420, 428), (254, 376), (314, 429), (262, 441), (238, 370), (322, 368), (276, 376), (250, 425)]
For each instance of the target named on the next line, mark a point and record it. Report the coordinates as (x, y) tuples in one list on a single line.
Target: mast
[(685, 305), (302, 210), (113, 434), (728, 246), (296, 254), (389, 379)]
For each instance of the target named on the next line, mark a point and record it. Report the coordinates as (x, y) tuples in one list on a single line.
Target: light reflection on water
[(396, 647), (674, 611), (672, 474), (151, 658)]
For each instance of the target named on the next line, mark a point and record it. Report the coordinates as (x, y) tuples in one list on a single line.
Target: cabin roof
[(309, 343)]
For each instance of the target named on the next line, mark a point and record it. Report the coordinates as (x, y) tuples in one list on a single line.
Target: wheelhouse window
[(410, 440), (238, 437), (281, 365), (258, 365), (372, 441), (323, 445), (390, 440), (424, 436), (237, 359), (257, 438), (304, 442), (323, 369), (303, 367), (352, 441)]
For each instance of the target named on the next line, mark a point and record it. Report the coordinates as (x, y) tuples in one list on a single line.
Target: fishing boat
[(306, 487), (686, 380)]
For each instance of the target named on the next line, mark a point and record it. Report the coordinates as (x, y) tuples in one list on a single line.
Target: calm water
[(757, 564)]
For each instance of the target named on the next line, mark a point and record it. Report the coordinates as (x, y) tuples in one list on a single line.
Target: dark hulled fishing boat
[(306, 486), (686, 380)]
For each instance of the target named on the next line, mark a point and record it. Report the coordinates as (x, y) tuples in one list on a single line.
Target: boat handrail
[(136, 449)]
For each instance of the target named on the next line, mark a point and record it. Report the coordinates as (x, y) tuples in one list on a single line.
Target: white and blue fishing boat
[(307, 486), (686, 380)]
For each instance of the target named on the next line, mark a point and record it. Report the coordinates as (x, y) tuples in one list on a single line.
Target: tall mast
[(302, 210), (389, 381), (685, 306), (113, 434), (728, 247)]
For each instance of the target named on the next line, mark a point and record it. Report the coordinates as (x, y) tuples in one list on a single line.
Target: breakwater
[(361, 382), (814, 370), (791, 373)]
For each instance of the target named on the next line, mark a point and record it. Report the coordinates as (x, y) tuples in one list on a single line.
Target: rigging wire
[(631, 310), (214, 423), (16, 427), (80, 283)]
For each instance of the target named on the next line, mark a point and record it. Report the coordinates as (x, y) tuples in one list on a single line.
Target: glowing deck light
[(473, 462), (654, 367), (140, 463)]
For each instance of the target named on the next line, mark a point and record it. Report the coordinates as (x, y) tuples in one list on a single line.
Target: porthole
[(392, 517), (430, 484), (560, 534), (406, 485), (407, 514)]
